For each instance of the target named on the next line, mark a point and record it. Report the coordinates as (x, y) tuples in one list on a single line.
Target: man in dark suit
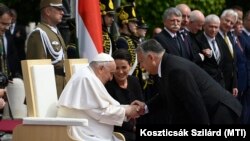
[(187, 95), (193, 29), (211, 48), (169, 38), (227, 19), (185, 33), (15, 42), (246, 36)]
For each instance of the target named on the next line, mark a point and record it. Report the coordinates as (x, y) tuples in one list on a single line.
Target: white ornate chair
[(41, 98)]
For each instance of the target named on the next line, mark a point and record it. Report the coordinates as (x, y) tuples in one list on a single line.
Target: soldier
[(127, 23), (142, 28), (107, 12), (46, 42)]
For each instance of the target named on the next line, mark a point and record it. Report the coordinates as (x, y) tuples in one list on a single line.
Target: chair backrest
[(73, 65), (40, 87)]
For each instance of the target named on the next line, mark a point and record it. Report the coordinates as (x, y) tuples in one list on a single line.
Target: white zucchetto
[(103, 57)]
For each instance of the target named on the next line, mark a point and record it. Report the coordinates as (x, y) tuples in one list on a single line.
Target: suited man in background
[(193, 29), (15, 40), (227, 20), (169, 38), (246, 97), (211, 48), (187, 94)]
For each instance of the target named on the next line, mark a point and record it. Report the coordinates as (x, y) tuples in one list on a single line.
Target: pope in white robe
[(85, 96)]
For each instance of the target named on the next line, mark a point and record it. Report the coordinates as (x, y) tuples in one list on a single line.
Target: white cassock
[(85, 96)]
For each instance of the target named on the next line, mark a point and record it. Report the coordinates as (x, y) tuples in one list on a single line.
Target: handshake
[(135, 109)]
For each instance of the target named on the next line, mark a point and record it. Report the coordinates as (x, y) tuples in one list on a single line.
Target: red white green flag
[(89, 28)]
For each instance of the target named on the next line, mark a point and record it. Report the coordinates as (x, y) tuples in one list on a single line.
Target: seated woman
[(125, 89)]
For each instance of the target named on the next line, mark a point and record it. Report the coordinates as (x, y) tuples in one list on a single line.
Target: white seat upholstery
[(16, 95), (45, 90)]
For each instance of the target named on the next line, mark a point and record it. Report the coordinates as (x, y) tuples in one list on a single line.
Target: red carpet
[(9, 125)]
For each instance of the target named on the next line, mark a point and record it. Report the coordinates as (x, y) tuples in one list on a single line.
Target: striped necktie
[(216, 51)]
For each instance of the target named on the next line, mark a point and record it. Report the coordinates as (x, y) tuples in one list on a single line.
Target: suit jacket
[(171, 46), (16, 49), (188, 95), (229, 63), (209, 64), (241, 64), (247, 53), (13, 65), (193, 45), (19, 36)]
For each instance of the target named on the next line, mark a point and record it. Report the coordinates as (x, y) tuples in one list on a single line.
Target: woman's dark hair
[(122, 54)]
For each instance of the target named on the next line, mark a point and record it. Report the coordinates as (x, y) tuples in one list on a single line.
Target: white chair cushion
[(16, 95), (45, 88)]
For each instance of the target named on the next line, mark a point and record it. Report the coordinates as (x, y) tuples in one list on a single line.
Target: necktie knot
[(213, 41)]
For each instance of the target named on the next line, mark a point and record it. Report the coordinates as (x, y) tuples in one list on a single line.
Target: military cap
[(53, 3), (107, 7), (126, 14), (141, 23)]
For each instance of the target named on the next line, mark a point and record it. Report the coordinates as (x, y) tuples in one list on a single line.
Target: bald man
[(185, 11), (196, 22), (194, 27)]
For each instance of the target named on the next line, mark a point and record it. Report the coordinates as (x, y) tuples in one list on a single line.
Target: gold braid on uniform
[(106, 41), (131, 50)]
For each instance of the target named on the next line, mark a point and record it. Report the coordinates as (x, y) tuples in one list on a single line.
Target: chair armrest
[(55, 121)]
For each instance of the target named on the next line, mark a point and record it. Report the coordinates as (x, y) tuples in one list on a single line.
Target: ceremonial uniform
[(107, 12), (37, 48), (46, 42), (127, 14)]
